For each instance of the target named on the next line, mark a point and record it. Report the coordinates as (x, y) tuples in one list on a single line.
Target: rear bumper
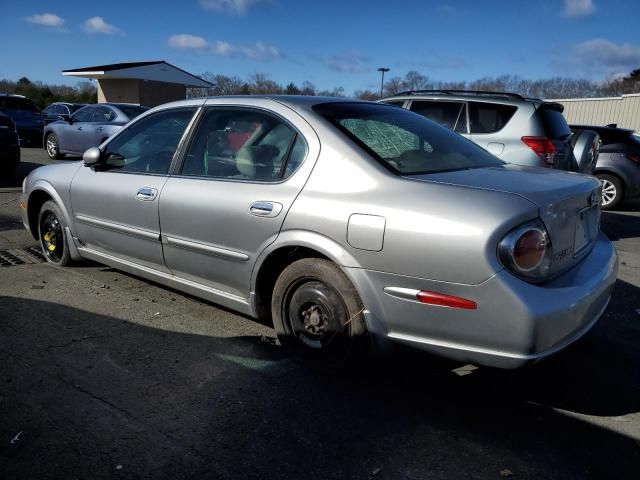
[(515, 322)]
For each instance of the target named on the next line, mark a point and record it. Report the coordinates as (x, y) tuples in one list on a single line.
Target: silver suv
[(524, 131)]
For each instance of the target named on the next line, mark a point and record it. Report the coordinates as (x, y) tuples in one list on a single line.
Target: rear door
[(242, 171)]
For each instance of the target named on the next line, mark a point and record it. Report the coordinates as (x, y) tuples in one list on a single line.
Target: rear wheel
[(51, 232), (52, 146), (612, 190), (318, 314)]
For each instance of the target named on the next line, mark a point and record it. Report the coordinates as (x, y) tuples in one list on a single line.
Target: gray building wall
[(624, 110), (143, 92)]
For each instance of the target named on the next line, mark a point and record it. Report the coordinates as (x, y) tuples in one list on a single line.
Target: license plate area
[(586, 229)]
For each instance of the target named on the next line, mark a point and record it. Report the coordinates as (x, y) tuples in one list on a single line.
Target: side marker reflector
[(434, 298)]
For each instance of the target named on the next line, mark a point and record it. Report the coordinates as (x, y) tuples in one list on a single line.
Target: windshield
[(405, 142), (132, 111)]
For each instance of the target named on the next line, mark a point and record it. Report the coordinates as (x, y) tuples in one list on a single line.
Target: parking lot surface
[(104, 375)]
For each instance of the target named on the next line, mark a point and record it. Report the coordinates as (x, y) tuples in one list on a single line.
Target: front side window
[(244, 145), (83, 115), (489, 117), (405, 143), (148, 146)]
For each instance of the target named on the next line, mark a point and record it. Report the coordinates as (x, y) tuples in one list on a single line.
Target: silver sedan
[(87, 127), (351, 225)]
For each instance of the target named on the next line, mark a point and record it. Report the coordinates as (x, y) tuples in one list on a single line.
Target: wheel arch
[(289, 247), (40, 193)]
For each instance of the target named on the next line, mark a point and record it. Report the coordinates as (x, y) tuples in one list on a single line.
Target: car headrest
[(256, 161)]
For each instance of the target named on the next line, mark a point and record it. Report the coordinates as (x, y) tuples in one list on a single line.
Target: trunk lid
[(568, 203)]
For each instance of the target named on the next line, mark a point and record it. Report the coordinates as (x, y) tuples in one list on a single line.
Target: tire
[(52, 146), (51, 234), (318, 315), (612, 190)]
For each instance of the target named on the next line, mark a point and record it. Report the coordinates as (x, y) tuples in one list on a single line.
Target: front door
[(115, 204), (74, 132), (240, 175)]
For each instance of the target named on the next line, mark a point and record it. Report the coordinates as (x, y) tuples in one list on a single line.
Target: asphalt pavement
[(105, 375)]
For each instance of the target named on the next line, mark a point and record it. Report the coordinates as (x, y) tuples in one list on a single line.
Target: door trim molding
[(207, 249), (116, 227)]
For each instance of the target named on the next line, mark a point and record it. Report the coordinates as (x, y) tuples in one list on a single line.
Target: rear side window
[(448, 114), (243, 144), (395, 103), (555, 125), (489, 117)]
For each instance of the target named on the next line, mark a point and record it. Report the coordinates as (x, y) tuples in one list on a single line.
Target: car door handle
[(265, 209), (146, 194)]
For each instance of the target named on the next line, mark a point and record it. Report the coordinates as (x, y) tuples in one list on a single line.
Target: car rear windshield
[(404, 142), (555, 125), (132, 111)]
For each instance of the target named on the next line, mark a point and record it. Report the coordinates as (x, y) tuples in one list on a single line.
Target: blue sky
[(329, 43)]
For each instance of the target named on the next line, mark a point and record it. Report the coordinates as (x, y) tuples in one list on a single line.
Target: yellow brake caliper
[(47, 238)]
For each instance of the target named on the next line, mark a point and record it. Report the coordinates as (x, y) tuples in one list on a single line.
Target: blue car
[(26, 116), (87, 127)]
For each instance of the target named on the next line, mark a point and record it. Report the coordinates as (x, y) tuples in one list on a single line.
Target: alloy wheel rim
[(52, 145), (609, 192), (52, 240)]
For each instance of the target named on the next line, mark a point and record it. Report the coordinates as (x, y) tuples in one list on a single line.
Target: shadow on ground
[(15, 180), (99, 397), (619, 225)]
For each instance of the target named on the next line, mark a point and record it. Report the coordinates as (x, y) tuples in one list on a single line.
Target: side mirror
[(92, 157)]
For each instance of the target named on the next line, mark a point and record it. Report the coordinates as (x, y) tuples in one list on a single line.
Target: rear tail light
[(634, 157), (526, 251), (543, 146)]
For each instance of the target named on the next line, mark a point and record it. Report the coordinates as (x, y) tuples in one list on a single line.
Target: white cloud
[(598, 56), (49, 20), (578, 8), (606, 53), (98, 25), (238, 7), (348, 62), (259, 51), (187, 41)]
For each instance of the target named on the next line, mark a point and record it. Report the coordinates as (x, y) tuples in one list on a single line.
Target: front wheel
[(612, 190), (51, 232), (318, 314)]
